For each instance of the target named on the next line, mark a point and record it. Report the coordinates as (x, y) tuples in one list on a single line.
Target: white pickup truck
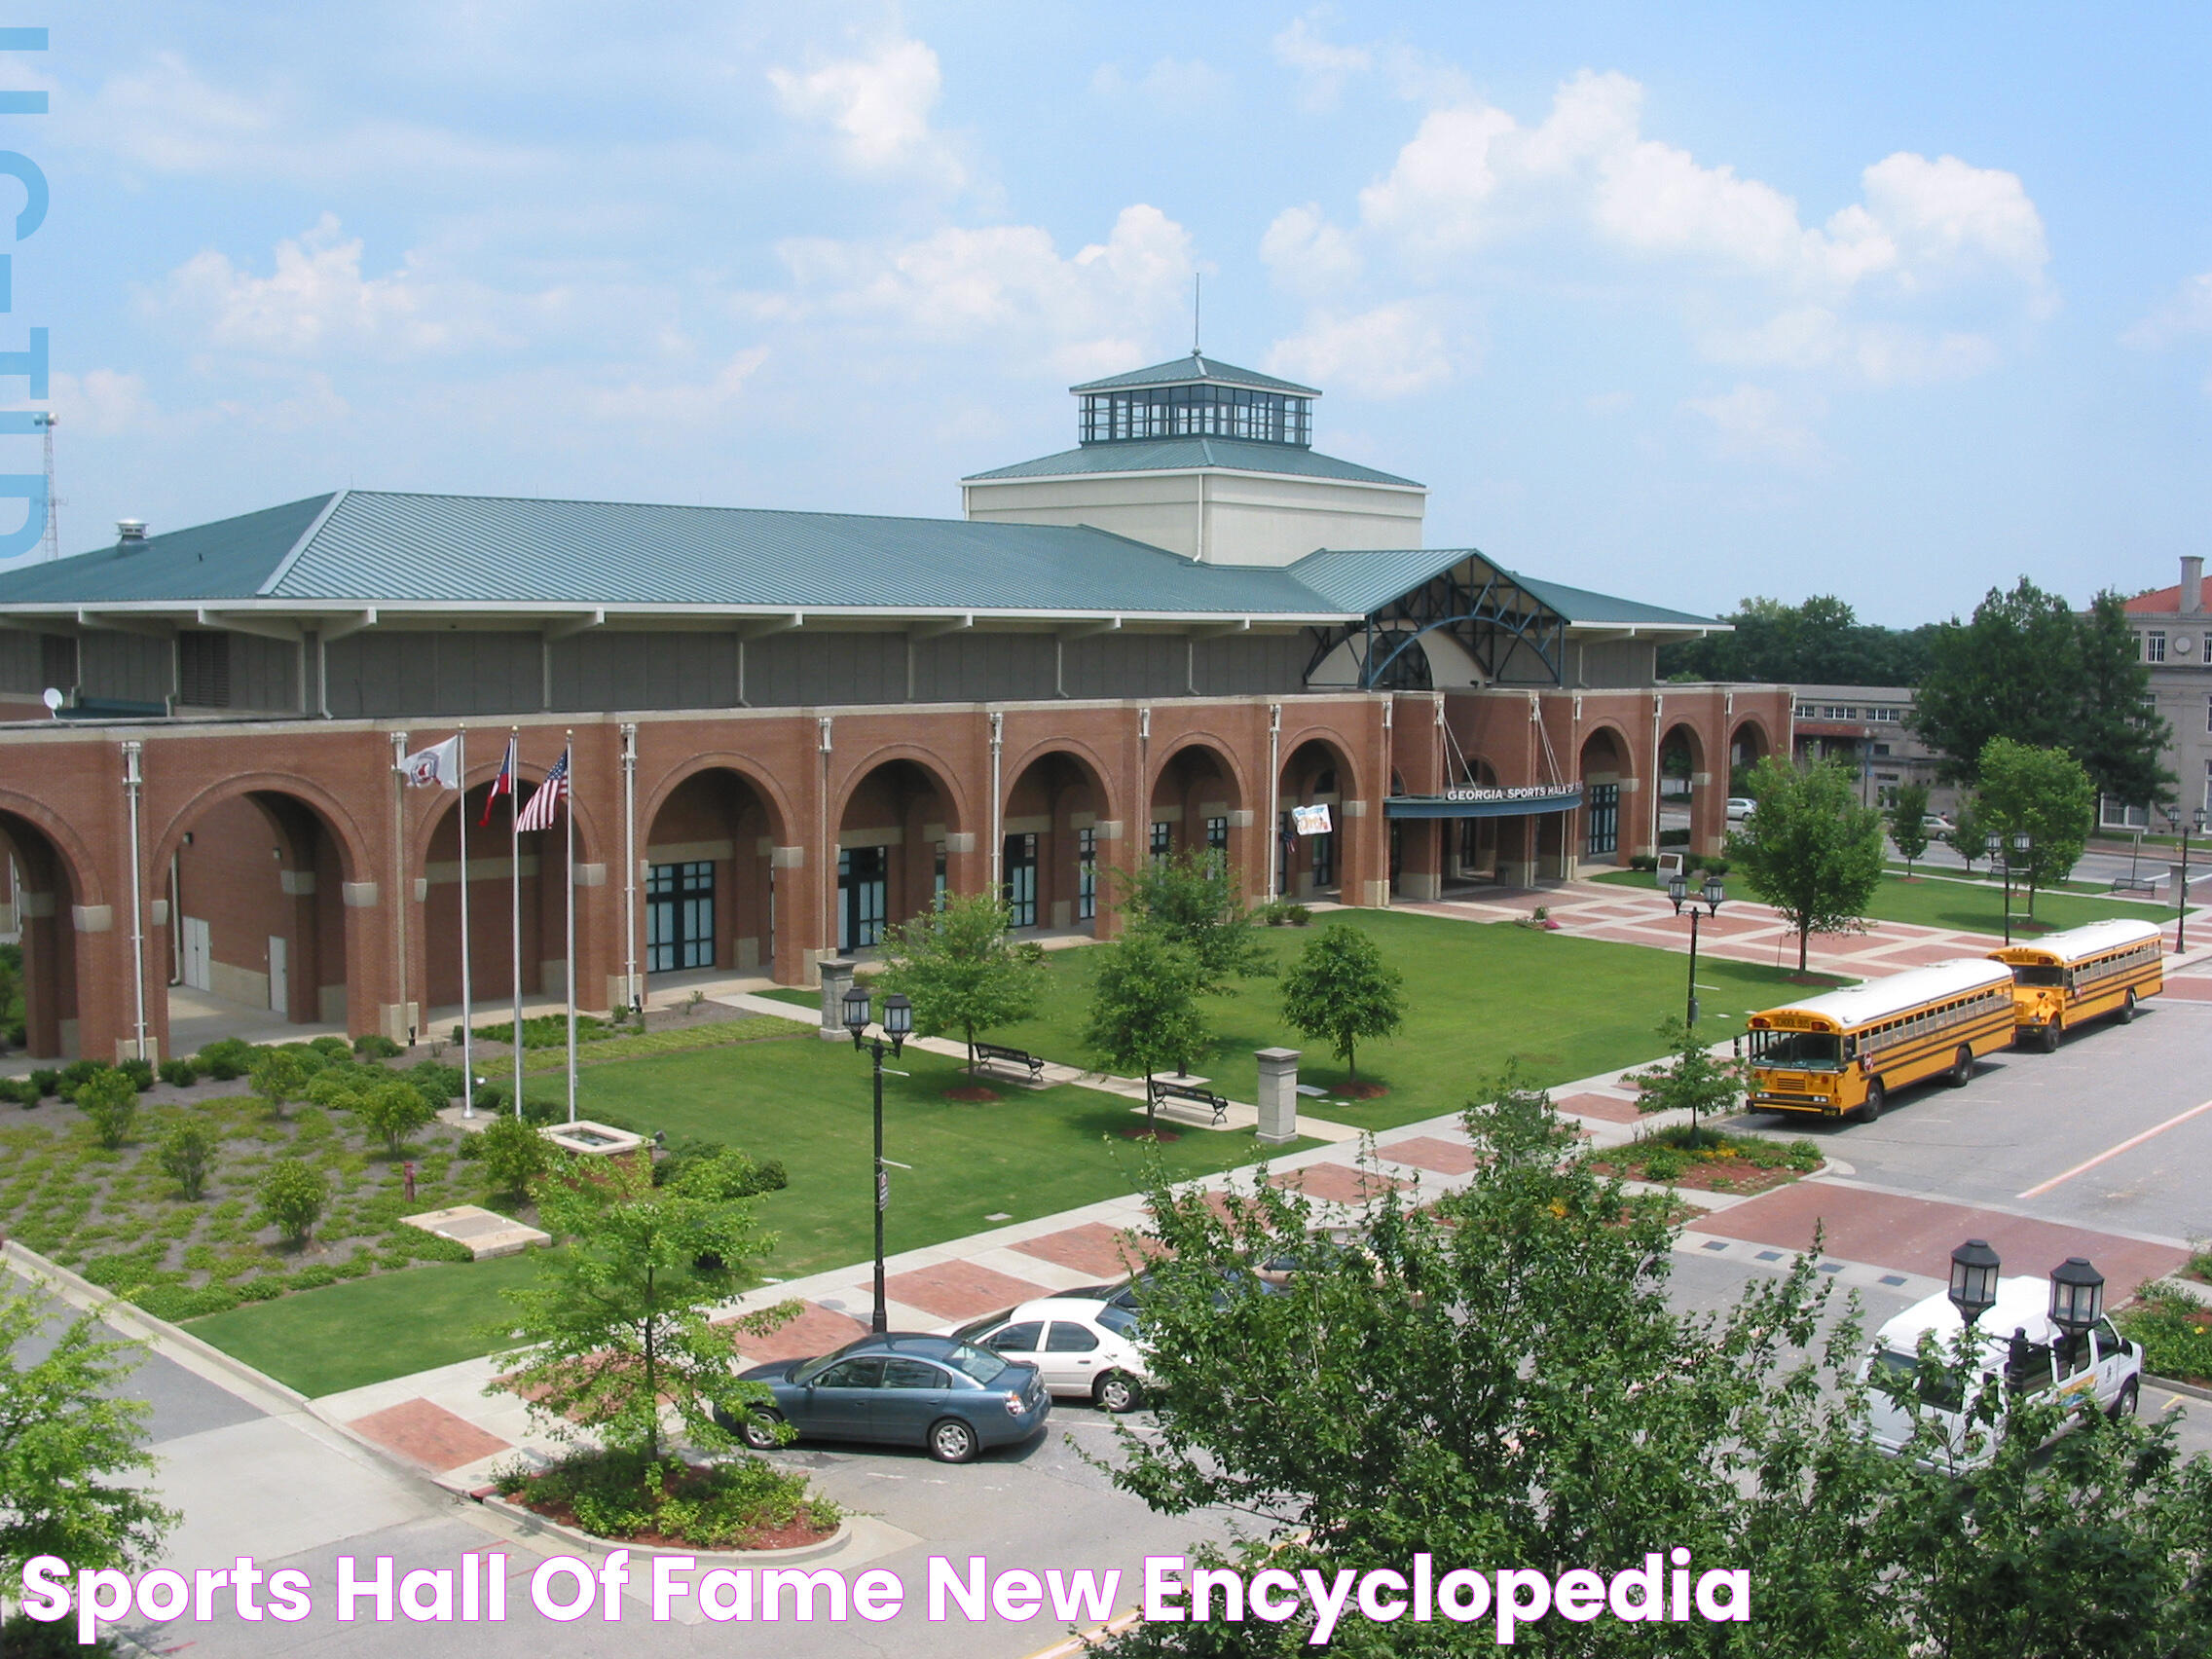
[(2019, 1344)]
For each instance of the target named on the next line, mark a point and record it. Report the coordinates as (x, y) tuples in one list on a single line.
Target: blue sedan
[(948, 1396)]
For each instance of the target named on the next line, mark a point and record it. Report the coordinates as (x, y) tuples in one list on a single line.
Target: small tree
[(1968, 836), (615, 1327), (293, 1196), (395, 1110), (73, 1456), (280, 1076), (1692, 1080), (188, 1153), (2043, 793), (1341, 989), (513, 1154), (1144, 1011), (109, 1100), (1809, 848), (962, 972), (1196, 899), (1908, 828)]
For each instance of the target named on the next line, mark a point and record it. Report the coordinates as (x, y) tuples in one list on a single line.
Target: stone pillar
[(837, 980), (1278, 1095)]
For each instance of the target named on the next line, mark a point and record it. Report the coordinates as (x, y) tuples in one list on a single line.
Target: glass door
[(861, 897), (1020, 865), (679, 916)]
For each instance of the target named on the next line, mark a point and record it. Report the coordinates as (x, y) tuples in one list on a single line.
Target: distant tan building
[(1869, 727), (2173, 634)]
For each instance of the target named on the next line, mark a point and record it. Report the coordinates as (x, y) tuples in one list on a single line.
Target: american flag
[(538, 814), (502, 784)]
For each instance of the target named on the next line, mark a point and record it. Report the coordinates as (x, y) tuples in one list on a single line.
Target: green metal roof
[(229, 559), (1364, 582), (1191, 371), (1179, 455), (1580, 605)]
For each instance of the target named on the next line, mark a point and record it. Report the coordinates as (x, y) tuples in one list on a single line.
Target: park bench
[(1163, 1090), (1019, 1059), (2133, 884)]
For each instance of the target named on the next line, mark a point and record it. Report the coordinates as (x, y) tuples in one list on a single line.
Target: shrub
[(1663, 1164), (395, 1110), (1643, 862), (226, 1059), (293, 1196), (109, 1100), (2175, 1342), (707, 1169), (21, 1090), (140, 1072), (332, 1048), (337, 1090), (188, 1151), (177, 1303), (1716, 866), (376, 1046), (618, 1494), (79, 1072), (1299, 915), (513, 1154), (45, 1081), (439, 1082), (280, 1075), (179, 1074)]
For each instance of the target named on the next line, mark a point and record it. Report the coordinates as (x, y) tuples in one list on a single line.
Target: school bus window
[(2039, 974), (1810, 1049)]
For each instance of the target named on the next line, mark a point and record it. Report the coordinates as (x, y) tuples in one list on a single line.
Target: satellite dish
[(53, 700)]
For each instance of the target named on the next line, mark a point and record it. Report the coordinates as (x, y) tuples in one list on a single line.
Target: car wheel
[(2128, 1008), (760, 1430), (2129, 1400), (953, 1441), (1877, 1097), (1962, 1068), (1116, 1392)]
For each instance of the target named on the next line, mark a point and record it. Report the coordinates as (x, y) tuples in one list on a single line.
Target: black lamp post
[(2077, 1298), (1678, 890), (2183, 823), (1973, 1280), (2022, 845), (898, 1022)]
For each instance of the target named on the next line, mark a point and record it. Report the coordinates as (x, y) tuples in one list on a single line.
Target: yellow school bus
[(1847, 1051), (2065, 977)]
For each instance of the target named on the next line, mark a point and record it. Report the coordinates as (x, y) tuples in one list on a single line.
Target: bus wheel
[(2051, 1034), (1877, 1097), (1962, 1068), (2126, 1007)]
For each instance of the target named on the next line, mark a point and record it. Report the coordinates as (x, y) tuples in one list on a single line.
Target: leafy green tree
[(2118, 736), (71, 1440), (961, 971), (1908, 828), (280, 1076), (1968, 834), (1809, 848), (1341, 990), (513, 1154), (1144, 1007), (2043, 793), (395, 1109), (1820, 642), (292, 1194), (188, 1155), (1693, 1080), (1196, 899), (109, 1100), (1498, 1380), (614, 1329)]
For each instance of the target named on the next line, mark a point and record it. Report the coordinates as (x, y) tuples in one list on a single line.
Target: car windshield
[(1939, 1390), (1822, 1049), (806, 1371), (1120, 1320), (2038, 974), (984, 1366)]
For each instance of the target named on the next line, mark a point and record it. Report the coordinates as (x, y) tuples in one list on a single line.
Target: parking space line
[(2126, 1145)]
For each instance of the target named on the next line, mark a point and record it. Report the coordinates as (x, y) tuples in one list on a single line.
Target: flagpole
[(569, 828), (514, 871), (467, 1025)]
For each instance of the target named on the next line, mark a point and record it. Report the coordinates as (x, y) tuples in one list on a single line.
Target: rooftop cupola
[(1196, 397)]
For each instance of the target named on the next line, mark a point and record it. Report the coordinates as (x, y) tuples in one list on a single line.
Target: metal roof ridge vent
[(293, 555), (130, 531)]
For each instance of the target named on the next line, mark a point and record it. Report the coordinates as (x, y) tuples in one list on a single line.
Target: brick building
[(791, 730)]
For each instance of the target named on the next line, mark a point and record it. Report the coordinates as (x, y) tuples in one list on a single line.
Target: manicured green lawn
[(324, 1342), (1971, 906)]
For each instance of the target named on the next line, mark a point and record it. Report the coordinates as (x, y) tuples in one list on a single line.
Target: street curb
[(135, 1322), (533, 1526), (2172, 1386)]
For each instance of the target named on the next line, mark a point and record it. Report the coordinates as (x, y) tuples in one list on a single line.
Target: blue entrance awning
[(1484, 804)]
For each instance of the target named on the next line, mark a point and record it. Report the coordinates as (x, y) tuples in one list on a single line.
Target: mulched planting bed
[(1360, 1091), (1719, 1163), (744, 1504), (972, 1091)]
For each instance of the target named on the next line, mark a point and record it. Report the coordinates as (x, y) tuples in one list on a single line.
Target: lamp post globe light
[(2077, 1298), (1973, 1280), (1713, 895), (2181, 824), (897, 1025)]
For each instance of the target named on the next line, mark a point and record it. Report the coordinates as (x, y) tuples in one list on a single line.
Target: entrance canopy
[(1475, 801)]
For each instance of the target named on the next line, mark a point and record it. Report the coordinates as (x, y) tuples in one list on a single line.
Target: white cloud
[(1322, 65), (879, 105), (103, 402), (316, 300), (1185, 85), (2186, 313), (1306, 254), (1093, 312), (1753, 423), (1392, 351)]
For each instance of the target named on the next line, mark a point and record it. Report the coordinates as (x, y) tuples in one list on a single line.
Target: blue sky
[(1894, 302)]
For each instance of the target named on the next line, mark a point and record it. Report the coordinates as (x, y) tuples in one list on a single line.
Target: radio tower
[(50, 543)]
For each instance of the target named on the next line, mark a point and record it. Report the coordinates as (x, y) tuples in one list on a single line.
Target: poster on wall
[(1311, 819)]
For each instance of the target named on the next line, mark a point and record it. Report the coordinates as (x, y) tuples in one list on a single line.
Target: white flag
[(435, 767)]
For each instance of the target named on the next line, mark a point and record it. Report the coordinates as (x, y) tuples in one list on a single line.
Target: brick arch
[(1620, 737), (1221, 748), (783, 814), (943, 776), (345, 832), (1754, 724), (62, 977), (67, 844), (1011, 770), (1350, 785)]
